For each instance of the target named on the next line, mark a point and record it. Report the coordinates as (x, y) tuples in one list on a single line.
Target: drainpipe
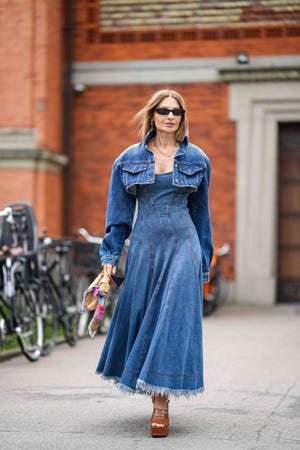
[(67, 115)]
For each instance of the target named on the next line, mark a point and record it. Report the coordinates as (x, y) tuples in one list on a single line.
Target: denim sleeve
[(119, 218), (198, 204)]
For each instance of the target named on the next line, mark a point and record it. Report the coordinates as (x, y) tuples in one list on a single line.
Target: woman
[(154, 344)]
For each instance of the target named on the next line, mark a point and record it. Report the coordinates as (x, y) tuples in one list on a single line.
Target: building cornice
[(249, 74), (187, 70), (18, 150)]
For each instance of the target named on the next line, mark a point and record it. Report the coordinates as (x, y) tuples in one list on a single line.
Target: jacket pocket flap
[(134, 168), (191, 169)]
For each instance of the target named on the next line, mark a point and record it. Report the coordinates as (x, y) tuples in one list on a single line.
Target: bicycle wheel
[(209, 307), (70, 314), (29, 325), (69, 309), (49, 317), (3, 327), (222, 290)]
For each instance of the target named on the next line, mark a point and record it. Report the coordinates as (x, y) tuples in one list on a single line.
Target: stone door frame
[(257, 108)]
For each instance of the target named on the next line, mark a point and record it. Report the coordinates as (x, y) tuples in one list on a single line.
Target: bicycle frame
[(14, 321), (57, 291)]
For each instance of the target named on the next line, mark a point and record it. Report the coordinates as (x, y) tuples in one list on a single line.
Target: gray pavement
[(252, 397)]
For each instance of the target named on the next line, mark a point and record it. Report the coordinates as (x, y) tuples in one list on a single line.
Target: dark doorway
[(288, 251)]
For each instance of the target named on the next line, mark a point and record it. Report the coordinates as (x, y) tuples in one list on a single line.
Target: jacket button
[(176, 179)]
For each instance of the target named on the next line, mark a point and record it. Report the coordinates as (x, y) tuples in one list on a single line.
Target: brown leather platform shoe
[(160, 422)]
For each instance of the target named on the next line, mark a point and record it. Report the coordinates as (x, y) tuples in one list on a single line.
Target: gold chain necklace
[(160, 151)]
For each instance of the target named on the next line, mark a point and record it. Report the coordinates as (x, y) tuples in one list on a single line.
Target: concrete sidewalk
[(252, 398)]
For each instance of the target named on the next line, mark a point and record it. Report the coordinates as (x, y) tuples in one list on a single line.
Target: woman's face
[(167, 123)]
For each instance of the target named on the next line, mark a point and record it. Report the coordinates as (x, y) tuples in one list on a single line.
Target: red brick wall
[(265, 37), (47, 49), (32, 52), (48, 201), (185, 49), (43, 189), (31, 68), (16, 36)]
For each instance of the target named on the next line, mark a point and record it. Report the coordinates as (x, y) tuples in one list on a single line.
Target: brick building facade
[(237, 65), (31, 61)]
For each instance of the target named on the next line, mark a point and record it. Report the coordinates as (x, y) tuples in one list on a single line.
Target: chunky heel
[(160, 421)]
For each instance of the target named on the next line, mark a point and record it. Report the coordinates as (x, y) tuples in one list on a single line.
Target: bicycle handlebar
[(88, 237), (95, 239)]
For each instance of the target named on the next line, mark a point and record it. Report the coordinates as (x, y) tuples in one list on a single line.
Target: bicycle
[(20, 315), (58, 302)]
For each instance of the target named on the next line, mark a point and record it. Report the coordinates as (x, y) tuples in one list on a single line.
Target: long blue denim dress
[(154, 343)]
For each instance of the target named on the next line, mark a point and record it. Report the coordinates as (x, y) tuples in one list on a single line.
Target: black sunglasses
[(166, 111)]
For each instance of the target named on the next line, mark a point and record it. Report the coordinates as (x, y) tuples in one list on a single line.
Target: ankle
[(160, 401)]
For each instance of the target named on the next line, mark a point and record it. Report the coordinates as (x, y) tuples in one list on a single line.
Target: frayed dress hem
[(146, 389)]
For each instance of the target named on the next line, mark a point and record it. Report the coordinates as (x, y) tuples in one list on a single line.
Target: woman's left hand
[(109, 269)]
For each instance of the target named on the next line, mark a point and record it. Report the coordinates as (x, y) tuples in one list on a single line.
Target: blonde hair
[(145, 116)]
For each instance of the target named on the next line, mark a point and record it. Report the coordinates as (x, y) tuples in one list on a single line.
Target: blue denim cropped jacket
[(136, 166)]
